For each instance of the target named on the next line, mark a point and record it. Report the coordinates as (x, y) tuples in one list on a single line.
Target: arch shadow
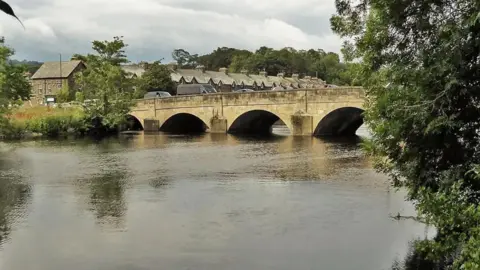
[(133, 123), (342, 122), (184, 123), (255, 122)]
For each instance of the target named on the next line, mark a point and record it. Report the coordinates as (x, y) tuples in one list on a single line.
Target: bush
[(11, 129)]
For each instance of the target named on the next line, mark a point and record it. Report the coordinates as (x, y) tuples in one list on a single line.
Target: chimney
[(200, 68), (263, 73), (281, 74), (244, 71), (295, 76), (223, 69), (172, 65)]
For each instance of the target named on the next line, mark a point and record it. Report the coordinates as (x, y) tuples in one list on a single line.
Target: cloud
[(153, 28)]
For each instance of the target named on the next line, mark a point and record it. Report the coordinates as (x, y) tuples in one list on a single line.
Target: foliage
[(31, 66), (49, 122), (326, 66), (79, 97), (14, 87), (106, 85), (416, 259), (221, 57), (55, 125), (420, 70), (184, 59), (155, 78), (64, 95)]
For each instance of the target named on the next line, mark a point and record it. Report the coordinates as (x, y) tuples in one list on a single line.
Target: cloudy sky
[(153, 28)]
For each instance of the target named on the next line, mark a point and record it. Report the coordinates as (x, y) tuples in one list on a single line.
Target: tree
[(106, 85), (14, 86), (155, 78), (221, 57), (287, 60), (420, 70), (79, 57), (111, 51), (184, 59), (64, 95)]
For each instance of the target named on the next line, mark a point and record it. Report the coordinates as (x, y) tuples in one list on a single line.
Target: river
[(212, 201)]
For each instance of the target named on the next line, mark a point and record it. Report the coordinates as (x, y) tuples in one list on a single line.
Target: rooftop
[(223, 76), (52, 69)]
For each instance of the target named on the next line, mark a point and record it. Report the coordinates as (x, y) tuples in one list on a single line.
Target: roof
[(277, 80), (134, 70), (200, 77), (175, 77), (52, 69), (240, 78), (259, 79), (221, 76), (217, 77), (293, 82)]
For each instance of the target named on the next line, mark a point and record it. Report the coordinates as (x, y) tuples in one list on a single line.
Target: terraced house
[(225, 81)]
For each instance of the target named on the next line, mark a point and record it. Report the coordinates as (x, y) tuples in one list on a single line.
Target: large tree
[(421, 73), (105, 84), (155, 78)]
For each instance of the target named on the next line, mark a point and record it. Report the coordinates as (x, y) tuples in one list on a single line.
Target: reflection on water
[(210, 201), (106, 196), (14, 197)]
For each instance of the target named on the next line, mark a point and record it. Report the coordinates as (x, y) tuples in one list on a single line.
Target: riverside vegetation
[(419, 66)]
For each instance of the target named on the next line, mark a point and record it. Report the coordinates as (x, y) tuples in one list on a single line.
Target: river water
[(157, 201)]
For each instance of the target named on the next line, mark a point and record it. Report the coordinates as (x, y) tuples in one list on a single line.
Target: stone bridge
[(306, 112)]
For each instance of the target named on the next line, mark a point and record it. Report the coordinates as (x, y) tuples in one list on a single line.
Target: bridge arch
[(133, 123), (340, 122), (181, 123), (256, 122)]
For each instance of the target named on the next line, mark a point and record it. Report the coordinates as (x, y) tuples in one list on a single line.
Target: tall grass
[(50, 122)]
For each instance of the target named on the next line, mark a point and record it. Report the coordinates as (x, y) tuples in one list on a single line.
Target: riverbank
[(28, 122)]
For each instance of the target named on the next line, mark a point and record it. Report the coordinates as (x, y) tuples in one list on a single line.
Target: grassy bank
[(43, 121)]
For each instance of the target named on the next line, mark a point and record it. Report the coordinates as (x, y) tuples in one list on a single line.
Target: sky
[(154, 28)]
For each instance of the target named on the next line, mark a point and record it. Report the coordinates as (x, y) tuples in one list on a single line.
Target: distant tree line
[(313, 62), (31, 66)]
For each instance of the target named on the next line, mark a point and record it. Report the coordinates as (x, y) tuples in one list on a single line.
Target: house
[(49, 79), (225, 81)]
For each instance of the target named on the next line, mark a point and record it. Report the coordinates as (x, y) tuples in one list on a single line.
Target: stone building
[(225, 81), (51, 77)]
